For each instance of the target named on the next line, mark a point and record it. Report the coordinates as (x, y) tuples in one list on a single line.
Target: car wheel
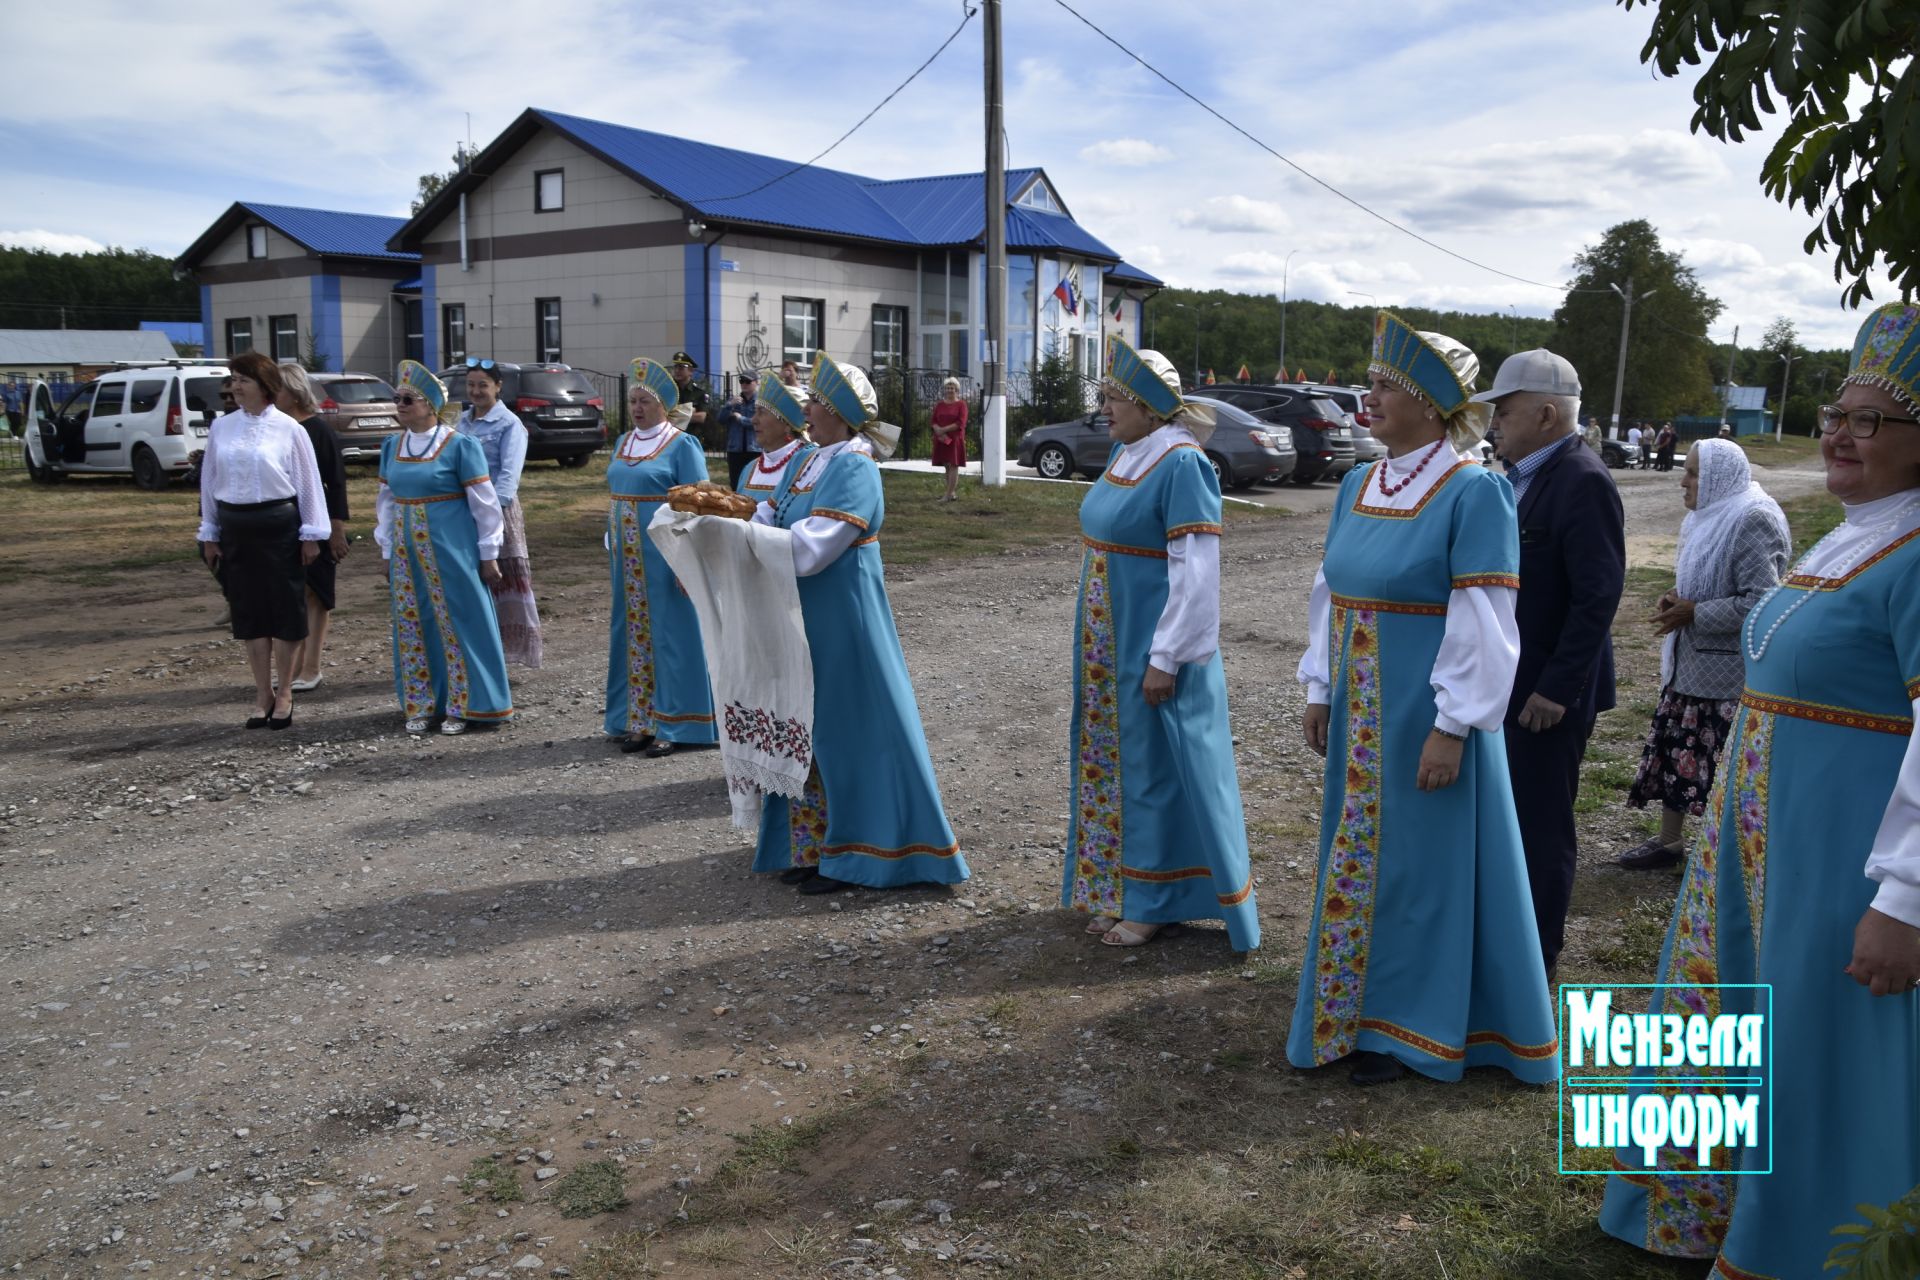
[(41, 474), (1053, 463), (1302, 481), (572, 460), (147, 471)]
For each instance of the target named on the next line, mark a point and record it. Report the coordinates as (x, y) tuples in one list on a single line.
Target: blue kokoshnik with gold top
[(871, 814), (447, 656), (1157, 832), (1772, 893), (656, 668), (1422, 944)]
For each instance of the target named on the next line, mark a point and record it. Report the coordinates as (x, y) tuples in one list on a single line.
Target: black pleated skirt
[(260, 570)]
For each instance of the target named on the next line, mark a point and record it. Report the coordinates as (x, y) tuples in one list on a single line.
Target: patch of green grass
[(1633, 944), (1004, 1009), (599, 1187), (1811, 516), (494, 1179), (771, 1147), (1763, 450), (1603, 783), (627, 1256)]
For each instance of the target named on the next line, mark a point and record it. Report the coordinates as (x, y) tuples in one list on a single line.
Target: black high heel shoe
[(258, 722), (277, 722)]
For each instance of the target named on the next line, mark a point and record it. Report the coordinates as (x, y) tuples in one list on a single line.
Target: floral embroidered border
[(1825, 713), (807, 823), (768, 733), (420, 536), (633, 580), (1097, 883), (416, 677), (1344, 918)]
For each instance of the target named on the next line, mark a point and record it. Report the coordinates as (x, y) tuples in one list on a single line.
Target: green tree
[(1847, 75), (1669, 357), (112, 289), (313, 360), (431, 184)]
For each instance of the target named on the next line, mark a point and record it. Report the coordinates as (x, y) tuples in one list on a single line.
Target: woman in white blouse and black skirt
[(263, 516)]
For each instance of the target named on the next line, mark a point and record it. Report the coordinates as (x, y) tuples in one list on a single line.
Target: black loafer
[(1649, 856), (794, 875), (641, 743), (817, 883), (662, 748), (1375, 1068)]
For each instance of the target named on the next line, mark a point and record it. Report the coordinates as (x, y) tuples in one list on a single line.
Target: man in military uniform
[(691, 393)]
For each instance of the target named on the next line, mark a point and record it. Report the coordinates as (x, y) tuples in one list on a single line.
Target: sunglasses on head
[(475, 362)]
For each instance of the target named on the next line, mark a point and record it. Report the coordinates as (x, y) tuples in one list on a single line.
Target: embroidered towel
[(739, 576)]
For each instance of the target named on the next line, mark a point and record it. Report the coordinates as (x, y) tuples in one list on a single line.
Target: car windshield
[(358, 391), (555, 384)]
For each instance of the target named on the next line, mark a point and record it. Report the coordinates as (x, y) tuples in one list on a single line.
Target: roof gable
[(325, 232), (726, 185)]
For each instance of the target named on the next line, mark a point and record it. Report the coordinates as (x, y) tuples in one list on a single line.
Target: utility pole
[(1780, 419), (1285, 267), (1620, 371), (993, 461), (1726, 393)]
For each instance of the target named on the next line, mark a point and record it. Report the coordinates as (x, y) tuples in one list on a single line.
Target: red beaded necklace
[(1387, 490)]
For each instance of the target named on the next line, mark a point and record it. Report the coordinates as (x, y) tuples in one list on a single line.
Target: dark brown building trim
[(300, 268)]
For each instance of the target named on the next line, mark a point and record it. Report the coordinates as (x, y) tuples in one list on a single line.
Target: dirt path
[(271, 995)]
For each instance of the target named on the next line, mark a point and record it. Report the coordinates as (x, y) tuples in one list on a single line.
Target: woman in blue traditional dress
[(780, 429), (1807, 875), (871, 813), (1157, 833), (438, 524), (1422, 951), (658, 696)]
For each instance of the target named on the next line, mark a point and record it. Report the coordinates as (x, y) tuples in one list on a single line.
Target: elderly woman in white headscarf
[(1423, 951), (1157, 833), (871, 812), (1734, 545)]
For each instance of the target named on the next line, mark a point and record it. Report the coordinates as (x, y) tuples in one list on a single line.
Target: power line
[(808, 164), (1314, 178)]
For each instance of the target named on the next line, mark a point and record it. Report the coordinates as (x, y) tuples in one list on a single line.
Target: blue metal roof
[(1127, 273), (739, 186), (327, 231)]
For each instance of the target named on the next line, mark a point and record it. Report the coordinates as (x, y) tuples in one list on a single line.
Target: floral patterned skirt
[(1683, 747)]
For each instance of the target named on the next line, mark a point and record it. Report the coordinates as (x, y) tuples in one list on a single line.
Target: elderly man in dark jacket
[(1573, 564)]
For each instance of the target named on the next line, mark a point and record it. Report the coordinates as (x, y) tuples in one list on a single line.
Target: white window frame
[(894, 320), (453, 316), (256, 241), (545, 353), (239, 327), (813, 312), (273, 337)]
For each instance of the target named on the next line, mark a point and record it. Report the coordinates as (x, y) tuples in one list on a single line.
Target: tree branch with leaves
[(1850, 153)]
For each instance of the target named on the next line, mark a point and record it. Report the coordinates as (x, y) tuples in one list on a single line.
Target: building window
[(800, 324), (546, 328), (286, 336), (453, 327), (889, 336), (239, 336), (945, 288), (1038, 197), (549, 190), (413, 315), (256, 241)]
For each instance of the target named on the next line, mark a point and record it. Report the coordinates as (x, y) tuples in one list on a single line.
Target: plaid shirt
[(1521, 473)]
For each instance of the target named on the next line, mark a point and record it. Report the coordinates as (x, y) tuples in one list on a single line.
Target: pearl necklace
[(1387, 491), (1871, 539)]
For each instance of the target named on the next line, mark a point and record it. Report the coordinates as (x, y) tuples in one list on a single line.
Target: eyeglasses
[(475, 362), (407, 398), (1860, 423)]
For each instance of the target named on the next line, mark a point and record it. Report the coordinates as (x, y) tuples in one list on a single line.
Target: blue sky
[(1513, 134)]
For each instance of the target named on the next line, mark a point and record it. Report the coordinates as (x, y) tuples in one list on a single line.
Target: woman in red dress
[(950, 435)]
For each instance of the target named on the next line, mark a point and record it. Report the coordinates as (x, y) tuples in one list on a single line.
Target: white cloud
[(51, 241), (1126, 153), (1231, 214)]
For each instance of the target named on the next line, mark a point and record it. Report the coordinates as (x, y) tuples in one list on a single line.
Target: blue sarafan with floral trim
[(1157, 833), (1886, 352), (1422, 944), (1408, 360)]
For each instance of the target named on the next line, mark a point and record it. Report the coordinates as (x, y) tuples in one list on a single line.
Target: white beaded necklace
[(1871, 538)]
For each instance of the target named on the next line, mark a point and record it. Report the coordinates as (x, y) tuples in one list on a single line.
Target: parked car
[(1618, 453), (1241, 449), (146, 420), (1321, 437), (560, 406), (1352, 402), (360, 409)]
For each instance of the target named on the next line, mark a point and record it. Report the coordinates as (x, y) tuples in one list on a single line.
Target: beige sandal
[(1101, 924), (1131, 934)]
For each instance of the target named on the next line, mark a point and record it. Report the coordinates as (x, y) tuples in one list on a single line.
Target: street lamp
[(1285, 269), (1515, 317), (1780, 420)]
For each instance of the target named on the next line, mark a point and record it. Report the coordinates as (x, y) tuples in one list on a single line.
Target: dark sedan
[(559, 405), (1243, 451)]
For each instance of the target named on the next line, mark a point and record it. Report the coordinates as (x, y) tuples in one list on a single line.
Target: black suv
[(1320, 437), (559, 405)]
